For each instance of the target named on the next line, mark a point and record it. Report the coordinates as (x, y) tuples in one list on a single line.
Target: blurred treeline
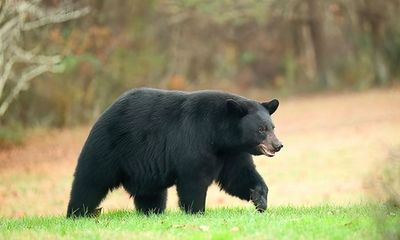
[(285, 45)]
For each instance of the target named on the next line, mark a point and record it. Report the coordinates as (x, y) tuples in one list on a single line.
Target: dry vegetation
[(334, 145)]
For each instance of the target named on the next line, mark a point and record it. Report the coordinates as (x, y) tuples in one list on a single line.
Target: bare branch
[(7, 27), (4, 9), (5, 74), (22, 82), (57, 17), (31, 8), (29, 56), (17, 16)]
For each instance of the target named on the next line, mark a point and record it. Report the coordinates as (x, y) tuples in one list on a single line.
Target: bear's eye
[(261, 129)]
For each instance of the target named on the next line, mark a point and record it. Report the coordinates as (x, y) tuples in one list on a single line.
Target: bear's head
[(253, 126)]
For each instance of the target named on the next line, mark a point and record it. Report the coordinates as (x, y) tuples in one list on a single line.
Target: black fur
[(149, 140)]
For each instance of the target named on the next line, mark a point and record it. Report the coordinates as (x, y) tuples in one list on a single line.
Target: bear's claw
[(258, 199)]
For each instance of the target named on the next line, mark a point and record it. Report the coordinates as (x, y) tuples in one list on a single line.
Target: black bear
[(149, 140)]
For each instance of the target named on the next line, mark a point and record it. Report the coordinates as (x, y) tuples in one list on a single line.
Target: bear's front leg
[(259, 197), (240, 178), (192, 195)]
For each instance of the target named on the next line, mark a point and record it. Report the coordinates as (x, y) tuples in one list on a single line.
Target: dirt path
[(334, 145)]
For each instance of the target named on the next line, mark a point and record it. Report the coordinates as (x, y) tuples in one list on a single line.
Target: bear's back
[(167, 107)]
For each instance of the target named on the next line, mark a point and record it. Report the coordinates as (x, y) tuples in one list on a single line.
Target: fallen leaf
[(178, 225), (235, 229), (204, 228)]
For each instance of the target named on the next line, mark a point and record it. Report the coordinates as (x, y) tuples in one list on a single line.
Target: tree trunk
[(316, 27), (380, 70), (373, 13)]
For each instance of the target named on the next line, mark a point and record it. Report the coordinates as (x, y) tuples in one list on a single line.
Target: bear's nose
[(278, 147)]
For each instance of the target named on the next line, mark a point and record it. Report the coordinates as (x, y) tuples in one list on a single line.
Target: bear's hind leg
[(192, 196), (151, 203)]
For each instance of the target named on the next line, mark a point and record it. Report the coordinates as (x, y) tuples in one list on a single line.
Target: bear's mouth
[(264, 149)]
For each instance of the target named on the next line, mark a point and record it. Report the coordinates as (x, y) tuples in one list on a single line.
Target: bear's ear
[(236, 108), (271, 106)]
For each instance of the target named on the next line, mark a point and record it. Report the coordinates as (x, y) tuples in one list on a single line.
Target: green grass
[(324, 222)]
